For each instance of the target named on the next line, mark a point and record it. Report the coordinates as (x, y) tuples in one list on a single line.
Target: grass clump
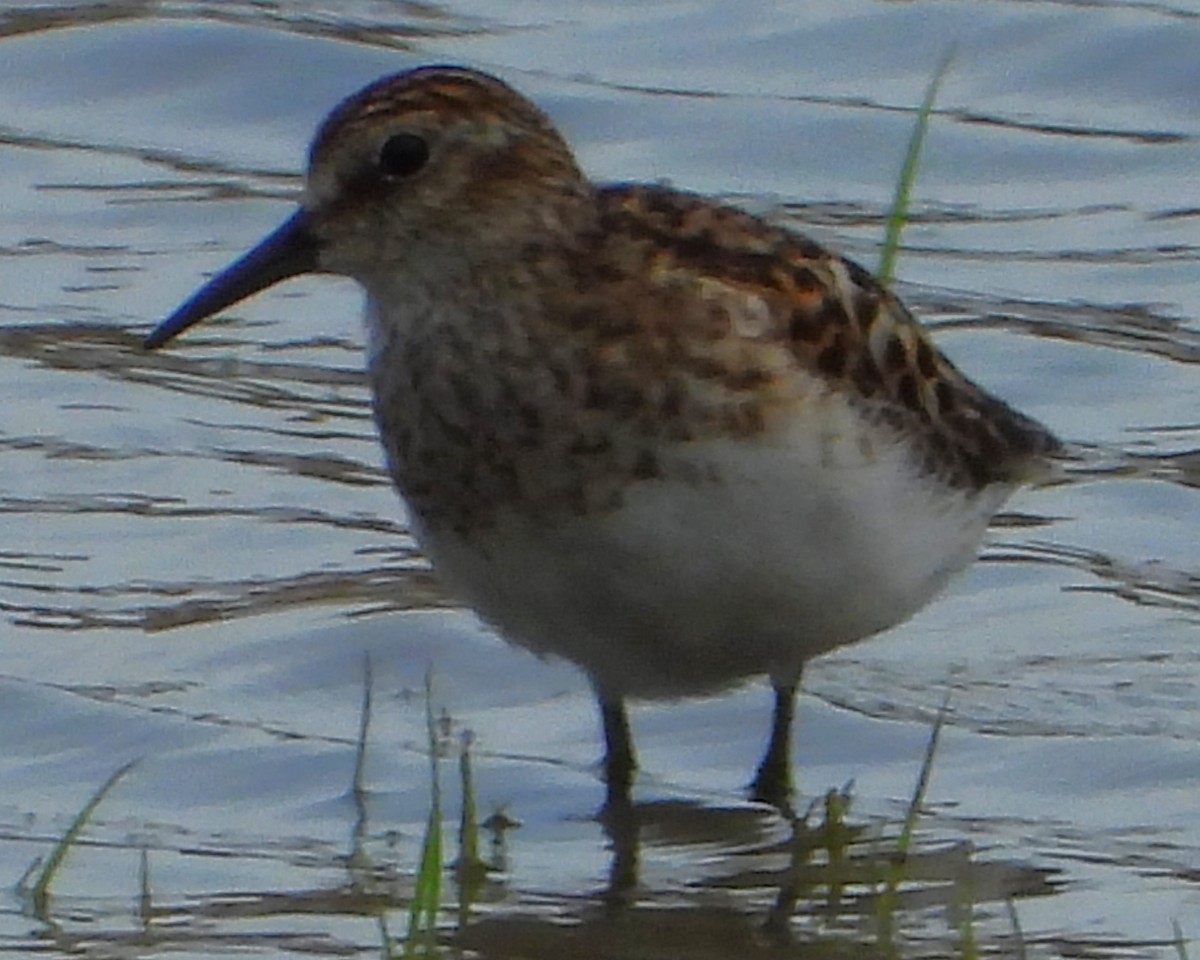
[(39, 890)]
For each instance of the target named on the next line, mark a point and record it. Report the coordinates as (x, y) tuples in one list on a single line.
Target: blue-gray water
[(199, 545)]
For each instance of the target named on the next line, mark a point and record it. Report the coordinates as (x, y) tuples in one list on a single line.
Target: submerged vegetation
[(838, 880)]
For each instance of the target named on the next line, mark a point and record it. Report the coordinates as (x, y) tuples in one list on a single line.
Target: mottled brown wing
[(830, 316)]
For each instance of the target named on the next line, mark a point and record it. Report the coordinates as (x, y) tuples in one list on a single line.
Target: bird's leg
[(773, 782), (619, 759)]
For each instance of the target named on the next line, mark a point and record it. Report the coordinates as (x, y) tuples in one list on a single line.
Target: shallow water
[(200, 545)]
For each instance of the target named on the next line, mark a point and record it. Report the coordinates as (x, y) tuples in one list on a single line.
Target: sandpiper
[(636, 428)]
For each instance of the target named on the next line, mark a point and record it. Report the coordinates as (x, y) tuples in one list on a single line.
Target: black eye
[(403, 155)]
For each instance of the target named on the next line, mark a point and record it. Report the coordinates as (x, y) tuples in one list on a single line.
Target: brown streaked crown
[(508, 135), (452, 93)]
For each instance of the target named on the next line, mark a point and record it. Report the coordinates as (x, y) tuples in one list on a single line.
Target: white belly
[(778, 553)]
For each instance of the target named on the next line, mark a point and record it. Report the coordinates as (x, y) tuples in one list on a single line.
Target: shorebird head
[(438, 164)]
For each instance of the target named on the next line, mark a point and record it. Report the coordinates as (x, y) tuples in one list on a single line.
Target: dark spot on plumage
[(808, 247), (750, 378), (894, 417), (704, 254), (581, 318), (895, 356), (600, 273), (909, 392), (832, 359), (607, 324), (866, 307), (991, 448), (530, 417), (646, 466), (717, 323), (488, 170), (706, 368), (805, 326), (860, 276), (509, 396), (833, 313), (672, 400), (679, 431), (978, 471), (961, 422), (584, 446), (1022, 434), (743, 420), (866, 375), (806, 280), (946, 397), (689, 231), (561, 378), (662, 203), (620, 399), (926, 360), (809, 326)]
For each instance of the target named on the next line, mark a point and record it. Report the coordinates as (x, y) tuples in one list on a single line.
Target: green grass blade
[(423, 911), (40, 891), (898, 214), (918, 797), (888, 900), (968, 942), (838, 837), (421, 939)]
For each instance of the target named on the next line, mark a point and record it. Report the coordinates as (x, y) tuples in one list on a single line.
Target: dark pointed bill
[(289, 251)]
